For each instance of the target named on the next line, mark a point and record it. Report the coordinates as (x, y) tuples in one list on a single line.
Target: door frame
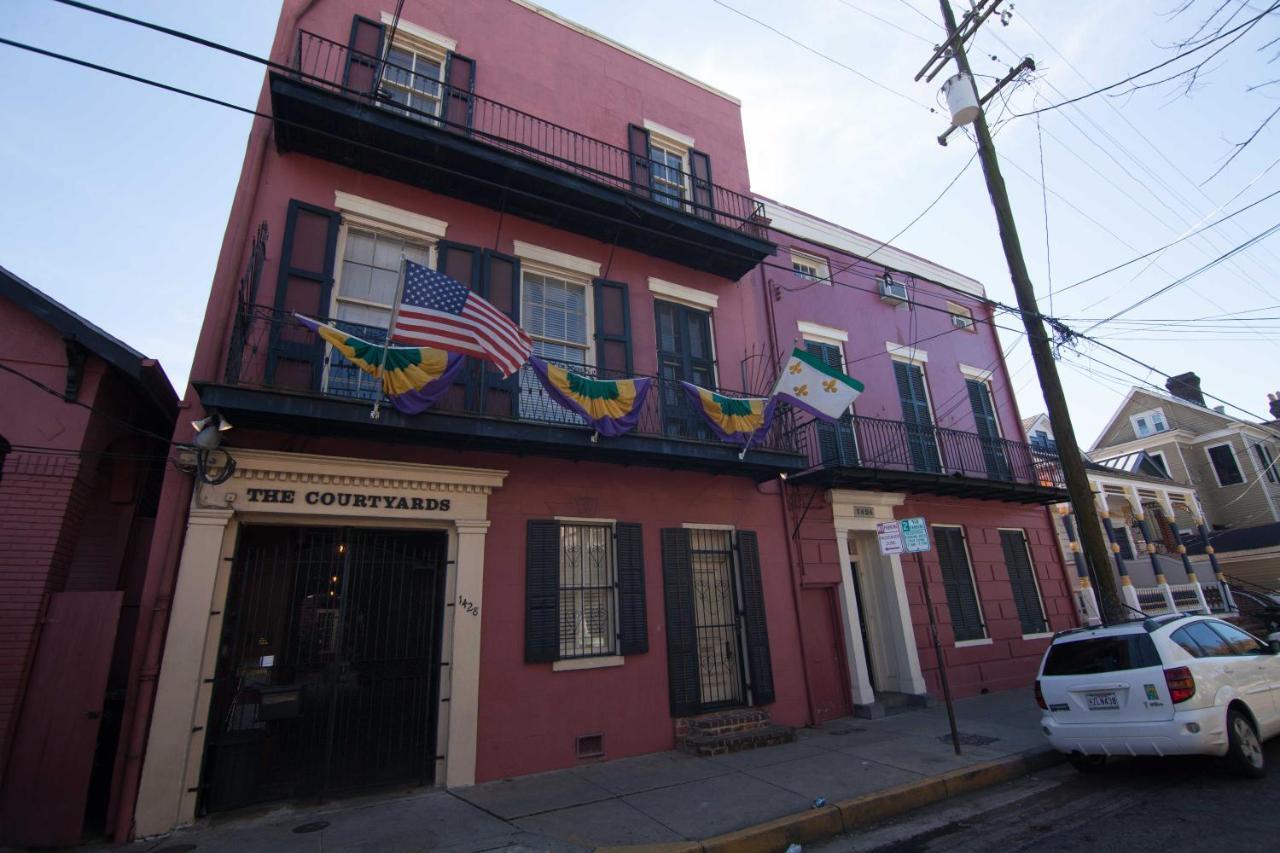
[(745, 698)]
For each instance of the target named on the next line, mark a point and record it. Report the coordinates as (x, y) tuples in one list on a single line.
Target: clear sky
[(116, 195)]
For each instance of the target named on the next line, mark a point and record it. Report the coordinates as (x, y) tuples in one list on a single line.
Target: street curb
[(847, 815)]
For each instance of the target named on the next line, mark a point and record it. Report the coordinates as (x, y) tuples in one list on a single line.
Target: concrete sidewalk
[(662, 798)]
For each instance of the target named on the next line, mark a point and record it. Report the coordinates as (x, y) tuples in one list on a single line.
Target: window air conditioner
[(893, 292)]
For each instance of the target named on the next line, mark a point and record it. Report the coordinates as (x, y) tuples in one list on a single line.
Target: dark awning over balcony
[(892, 456), (491, 154)]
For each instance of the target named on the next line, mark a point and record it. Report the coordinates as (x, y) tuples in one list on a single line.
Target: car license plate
[(1103, 701)]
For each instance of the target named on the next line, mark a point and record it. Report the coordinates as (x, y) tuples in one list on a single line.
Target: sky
[(116, 195)]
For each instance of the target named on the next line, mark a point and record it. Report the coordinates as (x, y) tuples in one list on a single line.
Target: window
[(668, 177), (1241, 643), (1149, 423), (411, 77), (1022, 578), (961, 317), (1158, 460), (1202, 641), (917, 420), (957, 579), (554, 312), (587, 585), (810, 267), (1102, 654), (1225, 466), (837, 444), (1266, 463)]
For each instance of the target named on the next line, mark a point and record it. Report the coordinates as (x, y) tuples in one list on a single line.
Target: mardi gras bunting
[(413, 378), (610, 406), (741, 420)]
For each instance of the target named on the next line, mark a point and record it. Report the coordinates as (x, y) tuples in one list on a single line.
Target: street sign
[(889, 533), (915, 535)]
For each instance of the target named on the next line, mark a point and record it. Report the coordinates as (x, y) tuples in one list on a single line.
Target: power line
[(886, 22)]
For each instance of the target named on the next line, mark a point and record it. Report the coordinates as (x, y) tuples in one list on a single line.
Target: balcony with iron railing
[(878, 454), (463, 144), (280, 376)]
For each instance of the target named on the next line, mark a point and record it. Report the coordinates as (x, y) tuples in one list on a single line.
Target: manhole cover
[(314, 826), (176, 848), (969, 739)]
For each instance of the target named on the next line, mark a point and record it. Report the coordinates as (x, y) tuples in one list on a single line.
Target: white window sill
[(601, 662), (964, 644), (1043, 635)]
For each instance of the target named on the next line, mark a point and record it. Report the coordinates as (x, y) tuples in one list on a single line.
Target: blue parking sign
[(915, 535)]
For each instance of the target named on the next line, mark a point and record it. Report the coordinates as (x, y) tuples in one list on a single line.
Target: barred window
[(588, 588)]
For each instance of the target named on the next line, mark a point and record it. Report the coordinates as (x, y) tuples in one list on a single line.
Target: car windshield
[(1101, 654)]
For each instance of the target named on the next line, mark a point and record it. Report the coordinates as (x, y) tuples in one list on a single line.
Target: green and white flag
[(815, 387)]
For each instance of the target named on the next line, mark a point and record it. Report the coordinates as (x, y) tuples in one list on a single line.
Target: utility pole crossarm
[(973, 19), (1072, 461)]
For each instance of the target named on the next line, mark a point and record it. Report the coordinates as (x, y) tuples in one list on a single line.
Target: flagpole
[(386, 344)]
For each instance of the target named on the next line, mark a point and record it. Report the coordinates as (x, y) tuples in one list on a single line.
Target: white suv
[(1169, 685)]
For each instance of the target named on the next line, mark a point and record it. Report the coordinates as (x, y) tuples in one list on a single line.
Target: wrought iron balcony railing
[(323, 62), (875, 443), (271, 350)]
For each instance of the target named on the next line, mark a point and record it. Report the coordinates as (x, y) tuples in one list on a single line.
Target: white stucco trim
[(383, 216), (985, 641), (551, 257), (821, 333), (680, 293), (673, 135), (420, 33), (693, 525), (978, 374), (1043, 635), (589, 33), (906, 353), (575, 664)]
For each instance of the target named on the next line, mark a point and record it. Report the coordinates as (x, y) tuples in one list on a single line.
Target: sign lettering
[(395, 503)]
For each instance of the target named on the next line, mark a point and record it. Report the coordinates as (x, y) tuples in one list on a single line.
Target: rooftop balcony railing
[(326, 63)]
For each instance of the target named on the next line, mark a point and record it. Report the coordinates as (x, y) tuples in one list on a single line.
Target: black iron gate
[(328, 668)]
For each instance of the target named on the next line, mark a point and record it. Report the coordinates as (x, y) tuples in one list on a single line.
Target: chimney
[(1185, 386), (1274, 404)]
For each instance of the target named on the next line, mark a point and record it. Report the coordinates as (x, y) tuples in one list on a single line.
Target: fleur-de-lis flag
[(811, 385)]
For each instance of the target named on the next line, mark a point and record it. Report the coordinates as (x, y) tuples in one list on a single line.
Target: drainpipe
[(795, 560)]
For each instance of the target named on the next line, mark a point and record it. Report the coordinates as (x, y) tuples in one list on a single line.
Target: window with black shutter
[(917, 420), (613, 328), (1022, 579), (1225, 466), (957, 580), (295, 355), (836, 442), (984, 418), (584, 590), (496, 277)]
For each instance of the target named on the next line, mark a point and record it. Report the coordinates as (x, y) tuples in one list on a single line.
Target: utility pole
[(1095, 547)]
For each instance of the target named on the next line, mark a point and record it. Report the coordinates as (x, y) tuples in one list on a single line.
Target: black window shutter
[(922, 447), (613, 328), (633, 621), (1017, 560), (703, 196), (364, 52), (957, 580), (295, 356), (641, 169), (682, 639), (463, 263), (759, 662), (542, 592), (835, 441), (500, 284), (460, 86)]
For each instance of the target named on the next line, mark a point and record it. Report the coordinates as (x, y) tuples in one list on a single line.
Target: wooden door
[(47, 782)]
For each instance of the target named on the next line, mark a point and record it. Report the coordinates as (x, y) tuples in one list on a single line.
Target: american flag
[(439, 311)]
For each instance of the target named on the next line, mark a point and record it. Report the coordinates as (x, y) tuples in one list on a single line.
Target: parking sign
[(915, 535)]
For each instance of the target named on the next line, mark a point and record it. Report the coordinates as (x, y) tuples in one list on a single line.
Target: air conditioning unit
[(893, 292)]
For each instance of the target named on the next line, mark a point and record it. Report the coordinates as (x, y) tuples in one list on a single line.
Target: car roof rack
[(1154, 623)]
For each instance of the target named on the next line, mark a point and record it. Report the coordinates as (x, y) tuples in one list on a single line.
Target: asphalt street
[(1133, 806)]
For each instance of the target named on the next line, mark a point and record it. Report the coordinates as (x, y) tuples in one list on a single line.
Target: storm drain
[(970, 739)]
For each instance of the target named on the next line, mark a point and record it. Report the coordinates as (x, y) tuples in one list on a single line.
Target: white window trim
[(1043, 635), (572, 277), (685, 295), (574, 664), (985, 639), (563, 260), (978, 374), (822, 269), (1214, 468), (821, 334), (367, 213), (955, 309), (672, 138), (903, 352), (1035, 580), (1133, 421), (1164, 461), (429, 38), (693, 525)]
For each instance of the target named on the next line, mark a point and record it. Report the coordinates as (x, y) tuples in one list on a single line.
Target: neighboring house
[(1040, 433), (936, 434), (82, 453), (488, 589)]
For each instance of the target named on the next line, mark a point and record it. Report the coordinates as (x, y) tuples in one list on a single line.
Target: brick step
[(728, 722), (706, 745)]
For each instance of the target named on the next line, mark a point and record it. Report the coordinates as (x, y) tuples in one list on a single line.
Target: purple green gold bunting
[(741, 420), (413, 378), (610, 406)]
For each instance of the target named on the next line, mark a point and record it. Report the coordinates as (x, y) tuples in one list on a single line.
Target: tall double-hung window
[(669, 185)]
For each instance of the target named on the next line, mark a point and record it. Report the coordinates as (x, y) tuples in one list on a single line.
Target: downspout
[(795, 561)]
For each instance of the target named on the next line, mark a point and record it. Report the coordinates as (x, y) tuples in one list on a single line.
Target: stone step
[(768, 735), (728, 722)]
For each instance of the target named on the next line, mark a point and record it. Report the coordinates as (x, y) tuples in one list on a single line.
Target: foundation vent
[(589, 746)]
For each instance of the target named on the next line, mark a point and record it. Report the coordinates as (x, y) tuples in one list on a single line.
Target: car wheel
[(1087, 763), (1244, 747)]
